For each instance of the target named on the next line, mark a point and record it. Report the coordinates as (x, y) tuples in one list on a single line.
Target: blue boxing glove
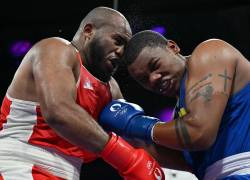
[(127, 120)]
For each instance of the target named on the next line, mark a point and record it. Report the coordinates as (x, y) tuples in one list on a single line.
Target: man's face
[(107, 47), (158, 70)]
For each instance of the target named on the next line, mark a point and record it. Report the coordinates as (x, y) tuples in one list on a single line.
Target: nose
[(154, 79)]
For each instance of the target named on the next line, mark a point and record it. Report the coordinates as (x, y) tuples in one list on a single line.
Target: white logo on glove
[(149, 165), (157, 174), (115, 107)]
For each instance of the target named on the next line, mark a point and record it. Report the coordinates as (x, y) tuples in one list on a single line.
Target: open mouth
[(167, 86), (112, 65)]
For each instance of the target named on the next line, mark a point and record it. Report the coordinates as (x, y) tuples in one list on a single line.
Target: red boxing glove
[(132, 164)]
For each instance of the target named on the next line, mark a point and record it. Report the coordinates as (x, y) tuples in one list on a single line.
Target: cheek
[(107, 43), (100, 44), (99, 52)]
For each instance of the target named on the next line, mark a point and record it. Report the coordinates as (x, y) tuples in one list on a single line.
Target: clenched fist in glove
[(132, 164)]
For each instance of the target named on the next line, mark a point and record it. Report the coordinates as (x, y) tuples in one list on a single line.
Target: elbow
[(203, 141), (202, 136), (54, 114)]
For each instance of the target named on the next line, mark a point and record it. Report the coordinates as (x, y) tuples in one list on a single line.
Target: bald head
[(102, 16)]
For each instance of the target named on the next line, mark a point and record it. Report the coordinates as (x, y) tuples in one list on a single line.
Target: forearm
[(167, 158), (83, 131), (182, 134), (164, 134), (75, 125)]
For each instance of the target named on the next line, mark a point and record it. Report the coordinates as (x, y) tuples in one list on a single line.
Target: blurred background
[(187, 22)]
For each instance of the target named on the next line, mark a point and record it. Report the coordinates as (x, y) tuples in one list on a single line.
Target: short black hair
[(139, 41)]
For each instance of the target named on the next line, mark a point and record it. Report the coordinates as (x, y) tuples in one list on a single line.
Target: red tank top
[(23, 119)]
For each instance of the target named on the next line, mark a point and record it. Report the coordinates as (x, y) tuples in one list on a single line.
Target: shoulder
[(52, 44), (53, 41), (213, 51), (55, 48)]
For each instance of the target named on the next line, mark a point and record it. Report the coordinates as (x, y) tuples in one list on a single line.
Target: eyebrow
[(152, 61), (124, 37)]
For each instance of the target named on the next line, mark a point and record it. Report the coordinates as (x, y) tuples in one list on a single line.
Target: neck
[(74, 45), (81, 52)]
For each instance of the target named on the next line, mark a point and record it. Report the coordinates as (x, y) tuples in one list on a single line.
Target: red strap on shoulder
[(79, 58)]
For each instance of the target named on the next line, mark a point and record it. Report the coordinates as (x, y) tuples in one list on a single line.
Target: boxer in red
[(48, 117)]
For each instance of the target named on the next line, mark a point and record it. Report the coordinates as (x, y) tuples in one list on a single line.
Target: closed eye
[(154, 64), (119, 40)]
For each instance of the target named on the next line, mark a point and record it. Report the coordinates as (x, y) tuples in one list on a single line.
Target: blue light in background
[(19, 48), (160, 29)]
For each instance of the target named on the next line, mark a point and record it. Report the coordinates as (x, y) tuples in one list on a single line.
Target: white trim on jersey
[(17, 155), (238, 164), (20, 156), (20, 120), (16, 170)]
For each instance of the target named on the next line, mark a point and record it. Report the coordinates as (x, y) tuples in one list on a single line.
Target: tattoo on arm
[(205, 89), (201, 80), (206, 92), (182, 133), (225, 77), (225, 94)]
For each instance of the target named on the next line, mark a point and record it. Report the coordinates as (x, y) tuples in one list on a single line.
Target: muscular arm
[(167, 158), (56, 87), (208, 87)]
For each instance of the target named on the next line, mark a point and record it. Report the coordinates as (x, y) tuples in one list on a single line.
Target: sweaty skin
[(215, 71), (49, 72)]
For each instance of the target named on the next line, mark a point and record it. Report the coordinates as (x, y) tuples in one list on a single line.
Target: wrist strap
[(118, 153), (152, 132)]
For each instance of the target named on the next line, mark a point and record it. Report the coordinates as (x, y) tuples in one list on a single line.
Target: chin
[(170, 94)]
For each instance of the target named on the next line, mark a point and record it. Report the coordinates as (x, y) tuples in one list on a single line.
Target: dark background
[(188, 22)]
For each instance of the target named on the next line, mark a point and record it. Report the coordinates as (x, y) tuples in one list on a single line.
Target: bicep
[(54, 78), (208, 90), (166, 157)]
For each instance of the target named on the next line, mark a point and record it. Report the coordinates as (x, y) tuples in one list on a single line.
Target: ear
[(173, 46), (88, 30)]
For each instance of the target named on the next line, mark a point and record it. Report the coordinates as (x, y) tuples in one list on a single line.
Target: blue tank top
[(234, 132)]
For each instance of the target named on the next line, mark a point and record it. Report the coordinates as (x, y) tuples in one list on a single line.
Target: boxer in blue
[(212, 118)]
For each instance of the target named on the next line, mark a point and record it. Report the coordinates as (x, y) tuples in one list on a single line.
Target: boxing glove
[(127, 120), (131, 163)]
